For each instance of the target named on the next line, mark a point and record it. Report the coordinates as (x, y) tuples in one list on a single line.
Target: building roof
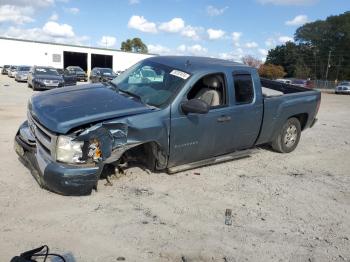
[(61, 44)]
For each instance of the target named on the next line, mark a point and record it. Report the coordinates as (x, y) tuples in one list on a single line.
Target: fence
[(322, 84)]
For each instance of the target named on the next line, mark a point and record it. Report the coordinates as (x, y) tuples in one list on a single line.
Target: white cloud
[(40, 35), (107, 41), (263, 52), (158, 49), (197, 50), (191, 50), (134, 2), (214, 11), (141, 24), (288, 2), (251, 45), (298, 20), (191, 32), (72, 10), (181, 48), (16, 14), (235, 55), (58, 30), (214, 34), (173, 26), (284, 39), (270, 42), (236, 36), (26, 3), (54, 17)]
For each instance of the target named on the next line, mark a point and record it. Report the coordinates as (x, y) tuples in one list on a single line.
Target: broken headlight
[(69, 150)]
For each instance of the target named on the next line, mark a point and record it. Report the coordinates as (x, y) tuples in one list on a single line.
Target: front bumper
[(57, 177), (81, 77), (342, 91), (42, 85)]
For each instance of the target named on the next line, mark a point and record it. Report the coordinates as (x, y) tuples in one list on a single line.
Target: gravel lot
[(286, 207)]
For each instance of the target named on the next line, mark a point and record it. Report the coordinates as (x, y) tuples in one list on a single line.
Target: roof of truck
[(192, 64)]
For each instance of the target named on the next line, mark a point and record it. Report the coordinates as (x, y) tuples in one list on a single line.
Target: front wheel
[(289, 136)]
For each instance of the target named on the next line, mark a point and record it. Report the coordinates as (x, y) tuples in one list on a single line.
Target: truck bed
[(282, 87), (282, 101)]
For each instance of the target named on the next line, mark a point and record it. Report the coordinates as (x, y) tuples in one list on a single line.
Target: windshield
[(77, 69), (46, 71), (153, 83), (24, 68)]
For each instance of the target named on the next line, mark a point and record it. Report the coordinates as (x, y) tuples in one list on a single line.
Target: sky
[(227, 29)]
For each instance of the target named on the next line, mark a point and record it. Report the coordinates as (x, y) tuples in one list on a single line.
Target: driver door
[(195, 137)]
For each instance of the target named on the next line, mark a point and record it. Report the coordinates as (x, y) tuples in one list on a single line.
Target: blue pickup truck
[(169, 113)]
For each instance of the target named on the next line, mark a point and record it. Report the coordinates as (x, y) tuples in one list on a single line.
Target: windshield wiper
[(131, 94), (112, 84)]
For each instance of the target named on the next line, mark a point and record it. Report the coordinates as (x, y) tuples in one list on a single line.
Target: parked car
[(79, 72), (343, 88), (203, 111), (285, 81), (11, 72), (22, 73), (43, 77), (4, 69), (302, 83), (99, 74), (70, 79)]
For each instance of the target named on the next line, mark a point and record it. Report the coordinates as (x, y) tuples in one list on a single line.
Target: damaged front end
[(71, 164)]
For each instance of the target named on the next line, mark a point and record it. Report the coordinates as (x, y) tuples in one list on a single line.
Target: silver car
[(343, 88), (22, 73), (11, 72)]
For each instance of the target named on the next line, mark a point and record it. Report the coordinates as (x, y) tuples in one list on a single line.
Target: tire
[(288, 138)]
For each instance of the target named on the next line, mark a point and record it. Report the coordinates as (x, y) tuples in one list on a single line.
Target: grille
[(46, 140)]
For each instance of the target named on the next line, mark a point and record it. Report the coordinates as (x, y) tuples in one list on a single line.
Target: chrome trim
[(44, 138)]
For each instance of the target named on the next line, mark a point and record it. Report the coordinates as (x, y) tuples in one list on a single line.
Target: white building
[(27, 52)]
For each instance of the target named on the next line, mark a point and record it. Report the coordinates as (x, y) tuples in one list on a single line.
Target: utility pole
[(328, 65)]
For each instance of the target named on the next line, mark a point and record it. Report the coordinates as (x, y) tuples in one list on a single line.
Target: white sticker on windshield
[(180, 74)]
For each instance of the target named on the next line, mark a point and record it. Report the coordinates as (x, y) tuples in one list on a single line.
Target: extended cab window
[(244, 90), (211, 89)]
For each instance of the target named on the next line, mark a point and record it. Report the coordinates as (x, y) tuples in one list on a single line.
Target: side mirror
[(195, 106)]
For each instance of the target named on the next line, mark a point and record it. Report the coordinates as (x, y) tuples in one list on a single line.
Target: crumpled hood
[(62, 109)]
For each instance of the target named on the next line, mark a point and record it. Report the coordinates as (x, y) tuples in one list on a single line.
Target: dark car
[(70, 79), (302, 83), (187, 112), (79, 72), (4, 69), (99, 74), (43, 77)]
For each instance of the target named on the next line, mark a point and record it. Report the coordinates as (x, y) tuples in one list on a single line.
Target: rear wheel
[(289, 136)]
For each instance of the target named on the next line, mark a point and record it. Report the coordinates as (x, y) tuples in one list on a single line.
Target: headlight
[(69, 151)]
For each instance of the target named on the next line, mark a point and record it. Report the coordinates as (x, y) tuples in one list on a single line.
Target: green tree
[(134, 45), (314, 43)]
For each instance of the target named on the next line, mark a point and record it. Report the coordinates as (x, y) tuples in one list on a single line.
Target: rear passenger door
[(246, 111)]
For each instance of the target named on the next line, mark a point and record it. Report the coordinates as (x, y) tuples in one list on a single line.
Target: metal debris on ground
[(197, 174), (228, 217)]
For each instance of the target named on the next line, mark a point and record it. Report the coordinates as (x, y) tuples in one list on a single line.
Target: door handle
[(224, 119)]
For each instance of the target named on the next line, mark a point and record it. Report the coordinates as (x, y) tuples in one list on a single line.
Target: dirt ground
[(285, 207)]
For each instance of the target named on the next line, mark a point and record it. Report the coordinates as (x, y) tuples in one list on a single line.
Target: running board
[(211, 161)]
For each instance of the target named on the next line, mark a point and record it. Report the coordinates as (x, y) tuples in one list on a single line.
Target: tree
[(271, 71), (251, 61), (134, 45), (315, 43)]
